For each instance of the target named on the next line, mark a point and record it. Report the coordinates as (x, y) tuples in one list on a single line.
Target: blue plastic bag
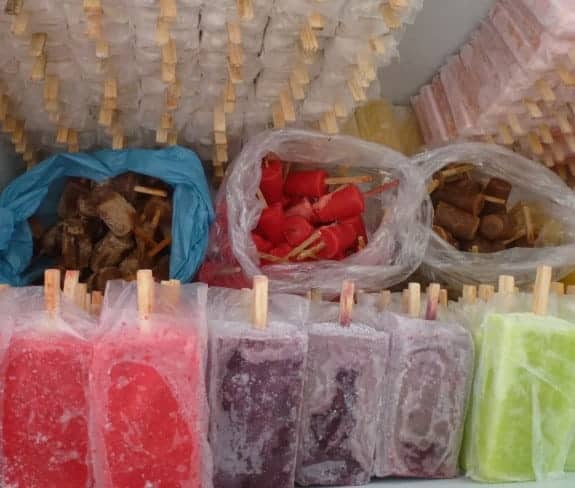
[(179, 167)]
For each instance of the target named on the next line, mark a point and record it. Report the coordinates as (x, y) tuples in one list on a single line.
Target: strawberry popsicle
[(302, 209), (255, 392), (45, 405), (341, 204), (296, 230), (271, 183), (336, 239), (271, 222), (346, 369), (426, 394), (149, 419)]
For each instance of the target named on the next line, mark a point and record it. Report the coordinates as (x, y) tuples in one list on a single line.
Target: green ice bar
[(523, 409)]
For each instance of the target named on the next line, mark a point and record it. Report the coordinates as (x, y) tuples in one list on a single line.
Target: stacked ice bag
[(512, 83)]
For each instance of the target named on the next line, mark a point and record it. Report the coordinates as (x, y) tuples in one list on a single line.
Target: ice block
[(523, 412), (149, 419), (315, 183), (304, 209), (255, 391), (336, 239), (346, 369), (341, 204), (45, 398), (426, 394)]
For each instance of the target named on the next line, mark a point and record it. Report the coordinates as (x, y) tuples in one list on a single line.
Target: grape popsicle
[(426, 392), (255, 394), (342, 399)]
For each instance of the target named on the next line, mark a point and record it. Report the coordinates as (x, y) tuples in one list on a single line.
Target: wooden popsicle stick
[(88, 303), (545, 133), (168, 10), (433, 185), (541, 290), (62, 135), (486, 292), (278, 116), (533, 109), (535, 144), (71, 280), (414, 300), (457, 170), (92, 7), (13, 7), (304, 245), (80, 291), (384, 300), (529, 227), (19, 24), (260, 196), (170, 53), (219, 118), (297, 90), (245, 9), (558, 288), (168, 73), (272, 259), (346, 302), (390, 17), (97, 300), (398, 4), (52, 291), (469, 294), (260, 302), (102, 49), (515, 125), (346, 180), (506, 284), (38, 44), (499, 201), (329, 122), (315, 295), (443, 297), (505, 134), (111, 88), (118, 141), (433, 291), (558, 152), (520, 234), (390, 185), (287, 106), (563, 123), (234, 32), (236, 55), (171, 291), (308, 40), (545, 91), (160, 246), (310, 253), (565, 75), (39, 68), (150, 191), (162, 32), (51, 88), (145, 284), (316, 21)]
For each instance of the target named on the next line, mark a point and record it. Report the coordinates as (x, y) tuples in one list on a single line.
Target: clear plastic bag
[(531, 182), (397, 221)]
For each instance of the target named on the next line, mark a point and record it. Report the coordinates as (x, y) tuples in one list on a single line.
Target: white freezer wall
[(439, 31)]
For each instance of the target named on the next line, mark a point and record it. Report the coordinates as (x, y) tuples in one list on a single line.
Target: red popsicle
[(336, 239), (45, 423), (297, 230), (314, 183), (271, 222), (279, 252), (358, 225), (261, 244), (339, 205), (271, 183), (147, 394), (304, 209)]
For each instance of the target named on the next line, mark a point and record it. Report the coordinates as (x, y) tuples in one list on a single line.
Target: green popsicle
[(523, 410)]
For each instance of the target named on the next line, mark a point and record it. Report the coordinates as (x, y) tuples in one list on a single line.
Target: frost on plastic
[(149, 416), (532, 183), (397, 221)]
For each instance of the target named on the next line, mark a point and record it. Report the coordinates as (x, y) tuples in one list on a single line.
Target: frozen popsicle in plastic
[(314, 183), (149, 409), (255, 393), (45, 396), (523, 411), (342, 399), (426, 393)]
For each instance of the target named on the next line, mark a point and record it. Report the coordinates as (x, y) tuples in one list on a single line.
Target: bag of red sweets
[(310, 210)]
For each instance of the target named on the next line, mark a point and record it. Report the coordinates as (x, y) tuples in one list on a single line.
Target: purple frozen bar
[(426, 394), (256, 393), (342, 403)]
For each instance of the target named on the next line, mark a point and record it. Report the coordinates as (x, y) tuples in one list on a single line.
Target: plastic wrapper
[(523, 397), (149, 408), (255, 394), (45, 422), (346, 371), (396, 243), (531, 183), (426, 393)]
